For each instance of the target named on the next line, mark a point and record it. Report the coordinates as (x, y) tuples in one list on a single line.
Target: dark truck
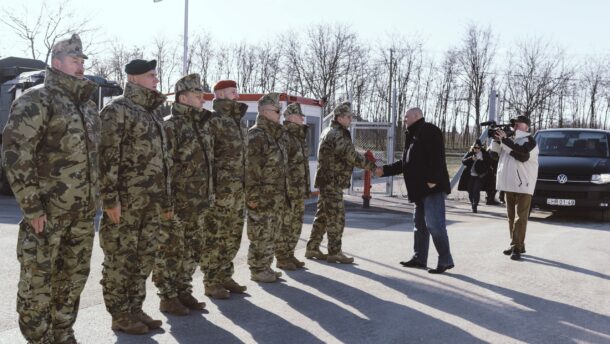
[(574, 170), (19, 74)]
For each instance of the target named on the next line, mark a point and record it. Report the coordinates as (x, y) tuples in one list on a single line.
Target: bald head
[(413, 115)]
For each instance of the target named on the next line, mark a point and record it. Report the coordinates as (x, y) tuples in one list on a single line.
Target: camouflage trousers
[(263, 225), (129, 255), (179, 253), (54, 269), (330, 219), (224, 225), (287, 237)]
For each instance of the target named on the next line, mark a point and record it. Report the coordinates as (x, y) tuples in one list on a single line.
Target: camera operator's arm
[(521, 152), (468, 159), (496, 145)]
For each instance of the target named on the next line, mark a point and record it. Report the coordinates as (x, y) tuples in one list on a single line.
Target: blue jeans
[(429, 220)]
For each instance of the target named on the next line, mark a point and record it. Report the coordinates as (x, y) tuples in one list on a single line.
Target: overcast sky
[(581, 27)]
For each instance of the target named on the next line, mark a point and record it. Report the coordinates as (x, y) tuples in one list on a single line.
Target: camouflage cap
[(270, 99), (72, 46), (293, 109), (343, 109), (191, 82)]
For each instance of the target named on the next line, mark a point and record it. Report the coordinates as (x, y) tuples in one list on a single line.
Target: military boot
[(147, 320), (317, 254), (266, 276), (339, 258), (285, 264), (299, 264), (191, 302), (216, 291), (277, 274), (234, 287), (173, 306), (128, 324)]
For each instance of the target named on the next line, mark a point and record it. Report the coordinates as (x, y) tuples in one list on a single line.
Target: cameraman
[(517, 174)]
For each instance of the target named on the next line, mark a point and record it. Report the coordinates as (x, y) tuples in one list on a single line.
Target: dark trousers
[(517, 204), (429, 220), (474, 190)]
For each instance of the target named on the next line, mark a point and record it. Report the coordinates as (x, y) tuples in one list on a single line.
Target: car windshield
[(573, 143)]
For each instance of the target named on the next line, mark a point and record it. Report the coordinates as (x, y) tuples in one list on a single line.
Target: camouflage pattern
[(191, 82), (272, 99), (293, 109), (50, 148), (129, 255), (135, 174), (298, 185), (330, 219), (181, 242), (343, 109), (72, 46), (337, 157), (265, 186), (50, 154), (224, 222)]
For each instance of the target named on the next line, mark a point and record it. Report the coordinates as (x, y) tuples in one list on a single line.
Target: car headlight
[(603, 178)]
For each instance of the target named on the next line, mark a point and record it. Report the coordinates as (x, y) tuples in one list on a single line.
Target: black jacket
[(483, 168), (423, 161)]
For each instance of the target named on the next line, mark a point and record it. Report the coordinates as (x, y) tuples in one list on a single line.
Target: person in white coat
[(517, 174)]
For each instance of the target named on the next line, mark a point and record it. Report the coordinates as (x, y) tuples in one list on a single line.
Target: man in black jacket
[(425, 171)]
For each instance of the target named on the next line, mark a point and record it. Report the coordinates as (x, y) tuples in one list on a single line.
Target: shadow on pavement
[(381, 314), (263, 326), (548, 262), (542, 321), (194, 328)]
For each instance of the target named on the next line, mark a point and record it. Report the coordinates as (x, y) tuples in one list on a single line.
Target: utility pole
[(390, 85), (186, 35)]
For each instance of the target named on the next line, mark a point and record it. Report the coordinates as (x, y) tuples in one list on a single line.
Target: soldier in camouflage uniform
[(337, 157), (180, 245), (265, 187), (135, 188), (224, 222), (50, 150), (299, 188)]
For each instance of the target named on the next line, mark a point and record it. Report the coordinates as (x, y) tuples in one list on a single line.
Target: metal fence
[(376, 137)]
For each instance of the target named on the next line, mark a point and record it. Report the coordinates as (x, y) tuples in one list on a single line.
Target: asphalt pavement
[(558, 293)]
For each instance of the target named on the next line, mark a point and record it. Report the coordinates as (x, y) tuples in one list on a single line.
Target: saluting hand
[(252, 205), (379, 171), (168, 215)]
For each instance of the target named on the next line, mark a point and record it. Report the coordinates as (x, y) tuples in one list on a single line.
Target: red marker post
[(366, 194)]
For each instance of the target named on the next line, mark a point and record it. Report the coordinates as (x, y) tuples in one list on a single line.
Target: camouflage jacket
[(337, 157), (50, 147), (134, 161), (229, 141), (266, 164), (297, 174), (192, 154)]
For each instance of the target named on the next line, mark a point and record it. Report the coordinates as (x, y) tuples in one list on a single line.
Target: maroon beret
[(222, 84)]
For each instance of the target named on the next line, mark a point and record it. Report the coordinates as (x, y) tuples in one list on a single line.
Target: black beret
[(137, 67)]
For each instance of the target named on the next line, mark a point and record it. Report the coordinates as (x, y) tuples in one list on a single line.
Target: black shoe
[(515, 256), (492, 202), (441, 269), (474, 209), (413, 264), (508, 252)]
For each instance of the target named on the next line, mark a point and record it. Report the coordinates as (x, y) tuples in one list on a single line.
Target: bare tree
[(476, 57), (203, 52), (39, 33), (537, 72)]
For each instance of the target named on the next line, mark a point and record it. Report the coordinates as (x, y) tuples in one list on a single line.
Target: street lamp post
[(186, 35)]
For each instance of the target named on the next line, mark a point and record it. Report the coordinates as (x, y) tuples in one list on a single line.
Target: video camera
[(494, 127)]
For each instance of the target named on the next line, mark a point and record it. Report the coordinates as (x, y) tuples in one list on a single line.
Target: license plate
[(560, 202)]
